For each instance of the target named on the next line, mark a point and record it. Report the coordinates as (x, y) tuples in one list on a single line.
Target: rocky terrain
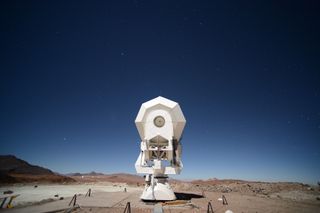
[(110, 196), (14, 170), (268, 189), (243, 187), (278, 190)]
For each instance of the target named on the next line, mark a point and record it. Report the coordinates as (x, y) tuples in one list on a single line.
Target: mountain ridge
[(15, 170)]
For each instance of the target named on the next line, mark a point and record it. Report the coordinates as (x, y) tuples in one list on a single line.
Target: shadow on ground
[(186, 196), (179, 195)]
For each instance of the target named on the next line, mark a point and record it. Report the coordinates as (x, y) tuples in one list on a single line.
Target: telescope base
[(160, 191)]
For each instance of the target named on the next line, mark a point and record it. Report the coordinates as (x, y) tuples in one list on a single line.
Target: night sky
[(245, 73)]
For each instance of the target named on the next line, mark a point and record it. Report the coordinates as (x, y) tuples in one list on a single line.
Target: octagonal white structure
[(160, 106), (160, 123)]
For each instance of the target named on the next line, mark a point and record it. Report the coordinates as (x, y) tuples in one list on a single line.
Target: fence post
[(4, 200), (210, 209), (88, 193), (74, 199), (128, 208), (224, 200)]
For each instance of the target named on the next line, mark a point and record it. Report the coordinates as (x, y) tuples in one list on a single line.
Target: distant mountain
[(85, 174), (13, 170), (74, 174)]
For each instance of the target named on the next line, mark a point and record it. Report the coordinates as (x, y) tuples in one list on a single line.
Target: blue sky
[(74, 74)]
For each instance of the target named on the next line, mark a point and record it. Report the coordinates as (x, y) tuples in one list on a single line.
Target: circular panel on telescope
[(159, 121)]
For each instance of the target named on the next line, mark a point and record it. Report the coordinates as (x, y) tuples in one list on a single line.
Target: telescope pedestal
[(157, 188)]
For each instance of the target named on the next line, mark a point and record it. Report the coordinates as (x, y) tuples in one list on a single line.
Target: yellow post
[(9, 205)]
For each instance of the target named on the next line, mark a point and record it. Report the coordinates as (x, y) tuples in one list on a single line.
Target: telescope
[(160, 123)]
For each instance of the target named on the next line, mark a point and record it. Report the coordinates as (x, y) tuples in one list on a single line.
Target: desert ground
[(111, 193)]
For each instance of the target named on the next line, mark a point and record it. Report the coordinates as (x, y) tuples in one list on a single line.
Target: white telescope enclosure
[(160, 123)]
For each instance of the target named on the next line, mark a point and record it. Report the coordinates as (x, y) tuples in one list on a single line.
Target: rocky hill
[(15, 170), (12, 164)]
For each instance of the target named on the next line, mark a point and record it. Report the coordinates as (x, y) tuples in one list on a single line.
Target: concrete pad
[(98, 199), (30, 195), (47, 207), (103, 199)]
